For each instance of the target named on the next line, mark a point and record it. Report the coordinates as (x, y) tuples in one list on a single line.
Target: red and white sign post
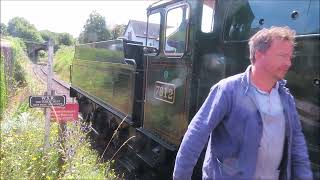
[(67, 113)]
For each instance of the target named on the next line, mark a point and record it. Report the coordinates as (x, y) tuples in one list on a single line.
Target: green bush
[(21, 27), (43, 54), (18, 76), (62, 61), (80, 159), (22, 155), (19, 55), (3, 88)]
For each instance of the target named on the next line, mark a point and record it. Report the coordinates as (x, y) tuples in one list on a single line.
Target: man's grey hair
[(262, 40)]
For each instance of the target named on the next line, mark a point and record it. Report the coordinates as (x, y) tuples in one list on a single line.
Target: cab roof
[(161, 3)]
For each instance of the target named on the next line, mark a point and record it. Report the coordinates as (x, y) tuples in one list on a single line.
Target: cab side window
[(153, 30), (176, 30), (207, 20)]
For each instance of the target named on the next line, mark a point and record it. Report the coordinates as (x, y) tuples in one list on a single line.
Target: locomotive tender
[(152, 89)]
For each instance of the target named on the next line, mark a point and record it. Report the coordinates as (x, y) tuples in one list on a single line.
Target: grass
[(80, 160), (3, 87), (22, 139), (22, 155), (62, 61)]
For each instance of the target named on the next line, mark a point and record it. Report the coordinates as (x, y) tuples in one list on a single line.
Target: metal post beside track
[(49, 88)]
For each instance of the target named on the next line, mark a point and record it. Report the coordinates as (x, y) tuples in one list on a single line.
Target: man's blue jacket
[(231, 121)]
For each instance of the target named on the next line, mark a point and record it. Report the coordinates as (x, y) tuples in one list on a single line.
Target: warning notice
[(46, 101), (67, 113)]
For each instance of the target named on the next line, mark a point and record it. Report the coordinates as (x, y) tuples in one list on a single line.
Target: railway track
[(60, 87), (62, 83)]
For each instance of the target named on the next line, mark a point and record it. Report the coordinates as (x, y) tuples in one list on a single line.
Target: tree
[(58, 38), (3, 29), (118, 31), (65, 39), (46, 35), (95, 29), (20, 27)]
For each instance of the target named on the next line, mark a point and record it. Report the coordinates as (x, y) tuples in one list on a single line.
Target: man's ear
[(258, 55)]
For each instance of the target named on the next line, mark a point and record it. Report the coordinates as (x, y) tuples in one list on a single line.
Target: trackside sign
[(67, 113), (46, 101)]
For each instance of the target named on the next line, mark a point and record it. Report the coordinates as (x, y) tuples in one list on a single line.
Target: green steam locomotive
[(148, 90)]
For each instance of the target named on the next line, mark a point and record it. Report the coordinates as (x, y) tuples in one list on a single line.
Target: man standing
[(250, 120)]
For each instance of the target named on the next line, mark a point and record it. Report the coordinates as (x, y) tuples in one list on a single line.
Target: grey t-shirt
[(272, 141)]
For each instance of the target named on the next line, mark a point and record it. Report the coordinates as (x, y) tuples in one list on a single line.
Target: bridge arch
[(33, 49)]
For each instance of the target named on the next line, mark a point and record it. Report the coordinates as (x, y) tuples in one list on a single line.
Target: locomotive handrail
[(131, 62), (147, 49)]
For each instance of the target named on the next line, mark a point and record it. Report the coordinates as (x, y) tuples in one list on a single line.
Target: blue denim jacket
[(231, 121)]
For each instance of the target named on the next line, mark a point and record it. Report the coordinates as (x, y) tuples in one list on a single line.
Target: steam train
[(148, 91)]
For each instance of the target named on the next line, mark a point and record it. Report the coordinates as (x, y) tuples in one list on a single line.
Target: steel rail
[(65, 85)]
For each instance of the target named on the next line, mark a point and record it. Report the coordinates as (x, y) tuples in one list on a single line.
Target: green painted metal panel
[(98, 70), (166, 102)]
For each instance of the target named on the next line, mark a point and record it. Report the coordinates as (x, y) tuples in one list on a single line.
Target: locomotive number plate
[(165, 92)]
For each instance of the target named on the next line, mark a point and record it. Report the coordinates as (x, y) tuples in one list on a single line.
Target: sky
[(70, 16)]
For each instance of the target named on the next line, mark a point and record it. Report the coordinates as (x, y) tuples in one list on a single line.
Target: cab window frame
[(159, 49), (212, 21), (186, 37)]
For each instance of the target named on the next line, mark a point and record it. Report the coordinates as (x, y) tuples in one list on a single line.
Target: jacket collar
[(245, 80)]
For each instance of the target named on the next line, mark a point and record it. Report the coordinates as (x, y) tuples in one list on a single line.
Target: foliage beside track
[(15, 78), (22, 138), (62, 61), (3, 87), (80, 159), (19, 58), (21, 146)]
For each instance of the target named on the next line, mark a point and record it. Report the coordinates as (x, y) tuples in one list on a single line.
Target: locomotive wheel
[(85, 108), (103, 133), (100, 122)]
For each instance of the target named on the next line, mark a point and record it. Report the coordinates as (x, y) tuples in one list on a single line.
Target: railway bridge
[(33, 49)]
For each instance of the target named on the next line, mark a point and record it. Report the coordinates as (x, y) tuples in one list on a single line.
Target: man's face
[(276, 61)]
